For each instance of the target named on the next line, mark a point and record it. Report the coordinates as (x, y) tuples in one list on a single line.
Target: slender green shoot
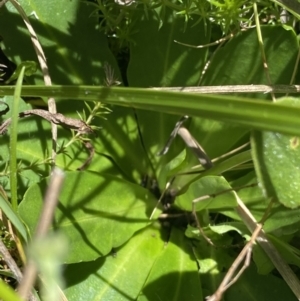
[(13, 141)]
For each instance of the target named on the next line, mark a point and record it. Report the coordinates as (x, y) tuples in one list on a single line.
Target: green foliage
[(84, 209), (114, 251), (7, 293), (275, 156)]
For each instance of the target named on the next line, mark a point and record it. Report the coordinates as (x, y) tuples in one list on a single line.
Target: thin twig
[(46, 217)]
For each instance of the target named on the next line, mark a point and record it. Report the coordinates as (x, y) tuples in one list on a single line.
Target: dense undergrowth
[(131, 224)]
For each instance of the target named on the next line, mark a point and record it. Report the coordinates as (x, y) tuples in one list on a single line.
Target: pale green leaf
[(96, 212)]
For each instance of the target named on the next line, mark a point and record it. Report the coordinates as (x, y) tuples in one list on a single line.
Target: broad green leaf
[(277, 158), (203, 187), (96, 212), (175, 274), (240, 62), (155, 58), (73, 56), (262, 261), (120, 275)]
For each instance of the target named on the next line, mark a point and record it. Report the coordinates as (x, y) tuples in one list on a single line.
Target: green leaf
[(13, 141), (244, 111), (212, 260), (30, 69), (155, 58), (231, 226), (240, 62), (34, 149), (175, 274), (96, 212), (7, 293), (73, 56), (209, 185), (118, 276), (276, 159), (183, 181), (119, 138), (12, 216)]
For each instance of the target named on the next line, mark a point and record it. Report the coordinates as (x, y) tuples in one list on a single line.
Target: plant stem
[(13, 142)]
